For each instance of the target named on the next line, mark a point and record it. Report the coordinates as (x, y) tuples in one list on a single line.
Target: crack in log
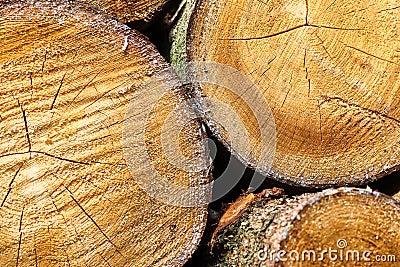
[(10, 185), (334, 28), (343, 101), (331, 4), (44, 61), (372, 55), (268, 36), (324, 47), (65, 222), (60, 158), (26, 127), (75, 161), (85, 180), (292, 29), (31, 83), (104, 94), (388, 9), (93, 221), (307, 10), (307, 74), (85, 86), (20, 237), (288, 91), (294, 133), (58, 91)]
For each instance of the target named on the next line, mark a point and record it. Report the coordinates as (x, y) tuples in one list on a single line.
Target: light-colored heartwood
[(67, 198), (329, 71)]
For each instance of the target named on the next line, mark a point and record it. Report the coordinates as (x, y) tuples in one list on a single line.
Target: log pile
[(101, 141)]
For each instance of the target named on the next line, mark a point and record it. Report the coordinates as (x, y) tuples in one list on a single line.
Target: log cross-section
[(67, 198), (330, 72)]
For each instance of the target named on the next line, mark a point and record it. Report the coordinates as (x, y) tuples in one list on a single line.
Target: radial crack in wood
[(67, 196), (330, 72)]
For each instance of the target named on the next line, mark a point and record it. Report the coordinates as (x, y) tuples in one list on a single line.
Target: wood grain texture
[(329, 71), (345, 219), (67, 198), (129, 10)]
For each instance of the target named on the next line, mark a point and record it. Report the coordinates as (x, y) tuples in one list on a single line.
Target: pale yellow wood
[(67, 198), (329, 70)]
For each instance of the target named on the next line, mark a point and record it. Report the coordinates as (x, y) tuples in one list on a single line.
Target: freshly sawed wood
[(337, 227), (130, 10), (67, 198), (329, 71)]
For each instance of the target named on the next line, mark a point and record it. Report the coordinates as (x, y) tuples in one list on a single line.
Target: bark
[(345, 219), (179, 33), (67, 197), (329, 72)]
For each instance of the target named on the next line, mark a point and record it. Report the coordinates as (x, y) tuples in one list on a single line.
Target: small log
[(329, 72), (337, 227), (130, 10), (67, 197)]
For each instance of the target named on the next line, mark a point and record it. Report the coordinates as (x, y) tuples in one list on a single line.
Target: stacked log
[(337, 227), (68, 74), (329, 72)]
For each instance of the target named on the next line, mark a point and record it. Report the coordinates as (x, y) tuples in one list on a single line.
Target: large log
[(67, 197), (329, 71), (337, 227)]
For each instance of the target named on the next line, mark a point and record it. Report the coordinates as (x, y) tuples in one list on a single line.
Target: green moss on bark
[(179, 34)]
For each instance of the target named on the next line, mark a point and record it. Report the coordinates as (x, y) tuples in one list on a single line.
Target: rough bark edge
[(178, 35)]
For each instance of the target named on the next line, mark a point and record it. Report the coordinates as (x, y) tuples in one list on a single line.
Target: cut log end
[(67, 197), (333, 228), (330, 74)]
